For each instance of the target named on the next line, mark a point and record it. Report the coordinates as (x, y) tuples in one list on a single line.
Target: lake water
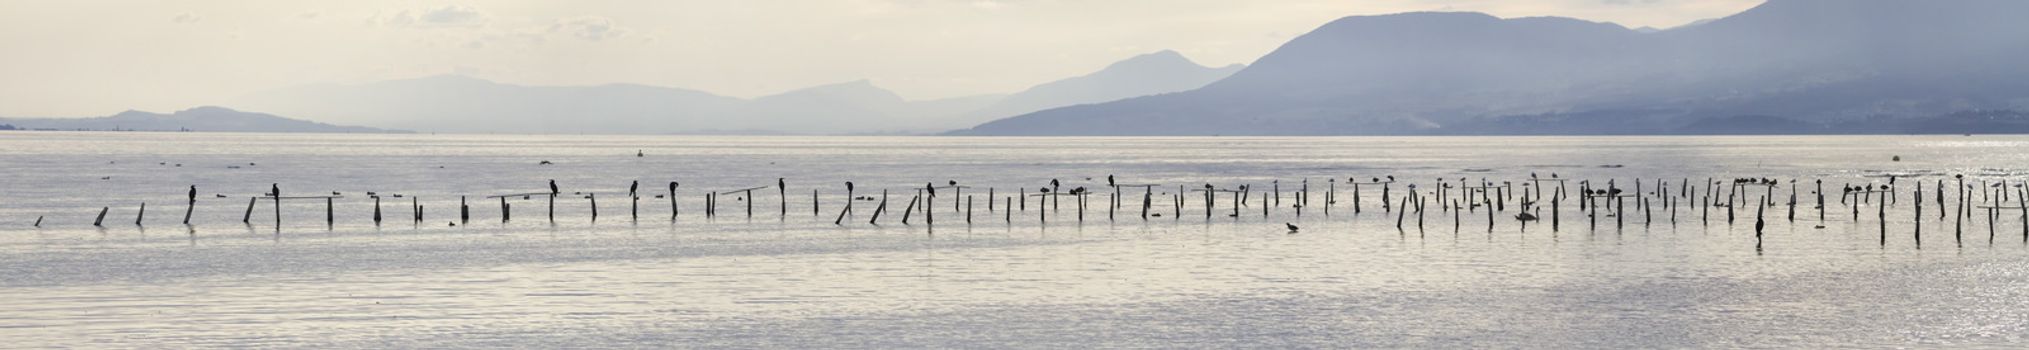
[(796, 280)]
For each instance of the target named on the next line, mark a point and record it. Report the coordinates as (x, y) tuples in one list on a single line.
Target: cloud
[(453, 15), (591, 28), (187, 17), (444, 17)]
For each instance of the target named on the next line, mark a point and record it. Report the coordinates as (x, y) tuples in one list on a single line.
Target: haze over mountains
[(452, 103), (1790, 66), (210, 119)]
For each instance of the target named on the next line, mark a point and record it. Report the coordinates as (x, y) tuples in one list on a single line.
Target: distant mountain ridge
[(452, 103), (208, 119), (1825, 63)]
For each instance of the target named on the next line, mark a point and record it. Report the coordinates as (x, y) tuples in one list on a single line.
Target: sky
[(90, 57)]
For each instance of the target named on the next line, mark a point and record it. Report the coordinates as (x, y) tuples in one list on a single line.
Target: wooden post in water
[(1356, 195), (504, 213), (248, 218), (968, 210), (634, 201), (416, 207), (277, 193), (376, 210), (814, 206), (102, 217), (1555, 212), (673, 209), (1398, 219), (594, 197), (464, 212), (1759, 206), (143, 212), (1147, 200), (1386, 201), (330, 219), (192, 207), (1958, 221), (1055, 188), (905, 211), (38, 221), (878, 209), (1331, 186), (1917, 217), (782, 194)]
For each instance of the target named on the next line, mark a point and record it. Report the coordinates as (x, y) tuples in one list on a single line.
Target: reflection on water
[(796, 280)]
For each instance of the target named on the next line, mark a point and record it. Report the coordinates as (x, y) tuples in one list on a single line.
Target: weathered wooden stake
[(879, 209), (141, 214), (906, 212), (192, 207), (248, 218), (1762, 205), (102, 217), (376, 210)]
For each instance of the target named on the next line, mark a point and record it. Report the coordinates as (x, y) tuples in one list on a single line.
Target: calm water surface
[(797, 280)]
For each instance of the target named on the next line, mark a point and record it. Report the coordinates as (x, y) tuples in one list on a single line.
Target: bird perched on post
[(553, 187), (632, 188)]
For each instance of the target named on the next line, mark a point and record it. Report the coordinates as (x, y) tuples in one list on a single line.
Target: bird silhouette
[(1292, 227), (553, 188), (1525, 217)]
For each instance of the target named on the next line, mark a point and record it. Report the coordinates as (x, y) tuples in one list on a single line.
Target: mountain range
[(1786, 66), (453, 103), (211, 119)]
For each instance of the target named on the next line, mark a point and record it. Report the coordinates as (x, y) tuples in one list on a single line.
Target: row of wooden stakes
[(1457, 196)]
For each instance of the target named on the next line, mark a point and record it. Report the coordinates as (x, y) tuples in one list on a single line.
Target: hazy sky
[(84, 57)]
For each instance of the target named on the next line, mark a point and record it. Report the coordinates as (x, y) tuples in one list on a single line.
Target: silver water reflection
[(796, 280)]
